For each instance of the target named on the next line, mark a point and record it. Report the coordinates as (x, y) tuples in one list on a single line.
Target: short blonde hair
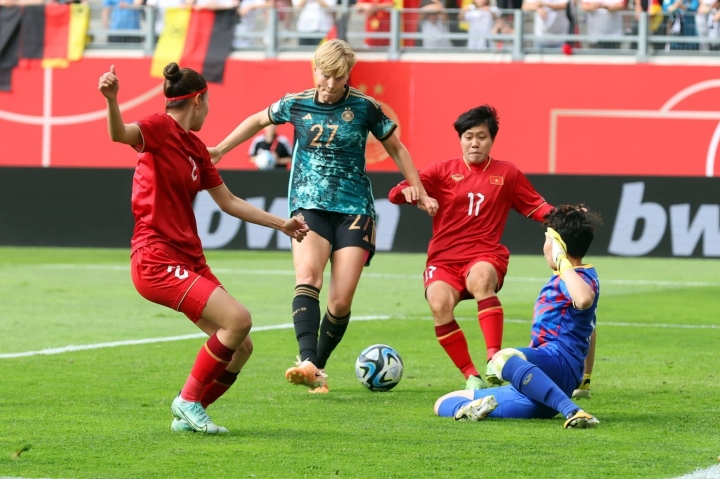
[(335, 58)]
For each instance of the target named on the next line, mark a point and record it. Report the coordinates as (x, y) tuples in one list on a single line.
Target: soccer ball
[(379, 367), (265, 160)]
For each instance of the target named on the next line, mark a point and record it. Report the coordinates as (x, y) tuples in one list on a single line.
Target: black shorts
[(342, 230)]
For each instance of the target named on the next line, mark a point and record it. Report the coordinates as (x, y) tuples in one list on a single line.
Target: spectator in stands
[(160, 7), (434, 26), (248, 11), (708, 23), (550, 19), (122, 15), (603, 18), (270, 143), (481, 18), (680, 23), (377, 19), (316, 18), (655, 14)]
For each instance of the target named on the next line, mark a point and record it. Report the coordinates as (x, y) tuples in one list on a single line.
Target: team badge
[(348, 115), (497, 180), (457, 177)]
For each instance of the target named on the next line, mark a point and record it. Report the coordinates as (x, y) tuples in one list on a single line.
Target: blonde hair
[(335, 58)]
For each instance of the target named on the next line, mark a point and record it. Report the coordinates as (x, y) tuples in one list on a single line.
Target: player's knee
[(501, 357), (241, 320)]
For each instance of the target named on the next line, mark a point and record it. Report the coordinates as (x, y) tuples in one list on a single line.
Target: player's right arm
[(249, 127), (109, 85)]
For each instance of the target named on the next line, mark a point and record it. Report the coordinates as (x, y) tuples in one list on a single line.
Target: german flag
[(10, 19), (197, 39), (53, 33)]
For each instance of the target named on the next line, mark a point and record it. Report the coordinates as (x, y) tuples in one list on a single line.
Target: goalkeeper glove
[(559, 251), (583, 391)]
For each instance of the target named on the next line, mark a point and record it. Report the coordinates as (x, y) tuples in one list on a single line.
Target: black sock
[(306, 319), (332, 330)]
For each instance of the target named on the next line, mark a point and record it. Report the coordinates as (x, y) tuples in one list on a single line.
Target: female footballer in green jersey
[(330, 189)]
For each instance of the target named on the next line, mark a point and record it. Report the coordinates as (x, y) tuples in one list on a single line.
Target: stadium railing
[(274, 33)]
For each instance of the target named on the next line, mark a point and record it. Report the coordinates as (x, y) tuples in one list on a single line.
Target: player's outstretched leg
[(477, 410), (194, 414), (581, 420)]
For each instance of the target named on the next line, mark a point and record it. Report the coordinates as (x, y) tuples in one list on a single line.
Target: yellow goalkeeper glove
[(559, 251), (583, 391)]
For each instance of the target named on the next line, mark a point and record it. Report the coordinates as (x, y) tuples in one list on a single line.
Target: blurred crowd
[(478, 25)]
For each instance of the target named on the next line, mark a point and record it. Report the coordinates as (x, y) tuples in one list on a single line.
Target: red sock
[(491, 318), (211, 361), (452, 339), (218, 387)]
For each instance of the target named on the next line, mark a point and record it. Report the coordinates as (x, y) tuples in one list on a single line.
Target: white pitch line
[(418, 276), (133, 342), (712, 472)]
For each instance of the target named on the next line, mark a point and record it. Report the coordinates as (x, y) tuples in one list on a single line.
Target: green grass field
[(104, 412)]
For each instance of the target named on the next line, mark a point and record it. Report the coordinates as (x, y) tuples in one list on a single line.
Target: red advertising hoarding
[(555, 118)]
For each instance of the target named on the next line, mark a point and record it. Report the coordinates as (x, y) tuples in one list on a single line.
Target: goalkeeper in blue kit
[(543, 376)]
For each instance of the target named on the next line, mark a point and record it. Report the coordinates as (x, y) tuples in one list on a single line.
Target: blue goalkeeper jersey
[(558, 324), (328, 165)]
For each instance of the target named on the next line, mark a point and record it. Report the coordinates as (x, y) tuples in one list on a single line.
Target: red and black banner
[(196, 39)]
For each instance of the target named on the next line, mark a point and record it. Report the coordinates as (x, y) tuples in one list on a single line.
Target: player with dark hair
[(330, 188), (168, 265), (465, 259), (543, 376)]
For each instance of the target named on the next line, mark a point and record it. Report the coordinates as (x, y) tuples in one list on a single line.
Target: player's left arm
[(527, 201), (294, 227), (401, 157)]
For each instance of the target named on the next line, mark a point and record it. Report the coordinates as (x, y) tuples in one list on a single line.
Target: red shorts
[(455, 274), (162, 278)]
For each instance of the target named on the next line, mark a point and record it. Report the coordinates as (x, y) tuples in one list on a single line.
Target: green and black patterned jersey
[(328, 165)]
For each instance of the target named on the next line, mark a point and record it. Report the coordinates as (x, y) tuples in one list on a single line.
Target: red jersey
[(173, 166), (474, 202)]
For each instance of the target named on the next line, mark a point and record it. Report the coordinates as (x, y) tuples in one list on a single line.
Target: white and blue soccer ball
[(265, 160), (379, 367)]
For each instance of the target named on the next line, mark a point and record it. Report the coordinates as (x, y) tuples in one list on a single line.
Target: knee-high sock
[(491, 318), (451, 405), (211, 361), (453, 341), (306, 319), (535, 384), (218, 387), (332, 330)]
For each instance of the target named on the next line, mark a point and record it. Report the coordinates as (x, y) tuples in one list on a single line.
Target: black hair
[(481, 115), (576, 226), (179, 82)]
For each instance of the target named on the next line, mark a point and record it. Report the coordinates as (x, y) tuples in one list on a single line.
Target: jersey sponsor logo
[(348, 115), (497, 180), (458, 177), (307, 117)]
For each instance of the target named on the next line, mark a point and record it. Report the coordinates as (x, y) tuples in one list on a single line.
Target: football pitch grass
[(96, 403)]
